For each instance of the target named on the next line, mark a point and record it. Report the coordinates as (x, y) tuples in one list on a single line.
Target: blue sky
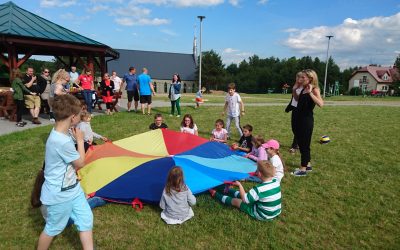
[(366, 31)]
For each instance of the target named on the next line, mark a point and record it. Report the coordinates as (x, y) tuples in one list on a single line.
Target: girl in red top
[(86, 82), (107, 87)]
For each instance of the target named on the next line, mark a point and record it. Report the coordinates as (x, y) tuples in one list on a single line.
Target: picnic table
[(98, 98)]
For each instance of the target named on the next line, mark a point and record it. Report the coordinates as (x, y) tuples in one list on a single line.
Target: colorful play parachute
[(137, 166)]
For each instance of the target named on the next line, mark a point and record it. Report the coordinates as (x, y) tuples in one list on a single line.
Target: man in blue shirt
[(131, 87), (145, 90)]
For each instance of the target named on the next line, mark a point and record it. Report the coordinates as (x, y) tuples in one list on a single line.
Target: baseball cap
[(271, 144)]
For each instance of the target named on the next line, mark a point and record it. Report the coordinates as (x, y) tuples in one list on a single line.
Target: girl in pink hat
[(274, 156)]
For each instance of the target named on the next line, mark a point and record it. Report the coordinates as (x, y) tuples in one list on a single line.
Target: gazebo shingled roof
[(22, 32)]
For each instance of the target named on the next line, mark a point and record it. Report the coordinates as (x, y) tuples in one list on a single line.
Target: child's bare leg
[(236, 202), (86, 240), (44, 241)]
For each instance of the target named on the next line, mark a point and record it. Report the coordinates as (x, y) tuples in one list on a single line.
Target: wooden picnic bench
[(8, 109)]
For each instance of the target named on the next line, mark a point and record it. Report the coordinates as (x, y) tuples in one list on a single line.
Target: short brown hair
[(175, 180), (266, 169), (64, 106), (248, 127), (231, 86)]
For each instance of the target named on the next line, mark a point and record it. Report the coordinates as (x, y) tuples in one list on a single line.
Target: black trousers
[(303, 127), (20, 109), (294, 142)]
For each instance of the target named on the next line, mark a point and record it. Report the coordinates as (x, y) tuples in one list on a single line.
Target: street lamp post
[(326, 65), (201, 19)]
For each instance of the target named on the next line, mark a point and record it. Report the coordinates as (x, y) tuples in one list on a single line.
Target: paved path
[(7, 127)]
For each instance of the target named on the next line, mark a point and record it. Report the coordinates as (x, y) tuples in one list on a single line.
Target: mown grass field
[(350, 200)]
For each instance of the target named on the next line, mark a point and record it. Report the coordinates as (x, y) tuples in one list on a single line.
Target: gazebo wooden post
[(12, 58), (103, 69)]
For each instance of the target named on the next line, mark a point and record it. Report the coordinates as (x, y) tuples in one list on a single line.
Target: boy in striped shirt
[(263, 201)]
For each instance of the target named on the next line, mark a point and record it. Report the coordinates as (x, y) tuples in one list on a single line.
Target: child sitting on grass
[(158, 122), (86, 128), (219, 134), (61, 192), (245, 144), (262, 202), (258, 152), (274, 156), (176, 199)]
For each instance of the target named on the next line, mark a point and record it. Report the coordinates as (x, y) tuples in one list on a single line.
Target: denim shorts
[(77, 209)]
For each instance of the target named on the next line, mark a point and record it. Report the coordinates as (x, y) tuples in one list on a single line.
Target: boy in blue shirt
[(145, 90), (61, 192)]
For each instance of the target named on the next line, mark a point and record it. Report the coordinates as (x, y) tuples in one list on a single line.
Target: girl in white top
[(272, 148), (219, 134), (188, 125)]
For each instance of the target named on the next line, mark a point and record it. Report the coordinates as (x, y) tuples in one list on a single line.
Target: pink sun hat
[(271, 144)]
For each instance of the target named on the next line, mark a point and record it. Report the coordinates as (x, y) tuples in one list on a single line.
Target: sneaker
[(292, 150), (24, 123), (308, 169), (299, 173), (170, 115), (36, 121), (178, 116), (52, 120), (19, 124), (212, 192)]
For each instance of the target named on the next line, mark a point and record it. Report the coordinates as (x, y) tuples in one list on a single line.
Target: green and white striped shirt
[(266, 198)]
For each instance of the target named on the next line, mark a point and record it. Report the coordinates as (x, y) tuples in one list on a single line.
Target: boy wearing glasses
[(158, 123)]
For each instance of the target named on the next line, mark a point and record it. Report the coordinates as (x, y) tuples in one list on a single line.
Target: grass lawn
[(350, 200), (277, 98)]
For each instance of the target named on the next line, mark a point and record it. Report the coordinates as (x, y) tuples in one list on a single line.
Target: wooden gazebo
[(27, 34)]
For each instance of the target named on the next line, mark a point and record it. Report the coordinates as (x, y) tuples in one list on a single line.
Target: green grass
[(350, 201), (277, 98)]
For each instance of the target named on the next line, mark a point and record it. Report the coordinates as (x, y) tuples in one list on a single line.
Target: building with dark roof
[(373, 78), (161, 67)]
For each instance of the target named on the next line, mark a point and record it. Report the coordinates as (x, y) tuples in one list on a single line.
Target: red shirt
[(86, 81)]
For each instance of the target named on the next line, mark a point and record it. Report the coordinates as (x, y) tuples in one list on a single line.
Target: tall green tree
[(212, 71)]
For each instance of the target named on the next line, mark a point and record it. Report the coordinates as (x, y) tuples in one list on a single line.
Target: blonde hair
[(266, 169), (175, 180), (85, 115), (60, 74), (312, 76)]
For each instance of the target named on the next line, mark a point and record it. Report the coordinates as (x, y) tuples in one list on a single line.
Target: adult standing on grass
[(131, 87), (18, 94), (297, 88), (117, 83), (303, 118), (32, 102), (146, 89), (174, 95), (107, 88), (86, 82)]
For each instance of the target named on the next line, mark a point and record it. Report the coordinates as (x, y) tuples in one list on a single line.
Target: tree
[(212, 71)]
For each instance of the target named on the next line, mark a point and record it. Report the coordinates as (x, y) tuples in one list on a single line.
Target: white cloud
[(355, 42), (262, 1), (57, 3), (129, 21), (169, 32), (97, 8), (230, 55), (75, 18), (234, 2), (229, 50), (133, 14), (181, 3)]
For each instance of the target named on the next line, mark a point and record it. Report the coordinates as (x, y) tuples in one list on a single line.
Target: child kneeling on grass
[(263, 201), (61, 192), (176, 199)]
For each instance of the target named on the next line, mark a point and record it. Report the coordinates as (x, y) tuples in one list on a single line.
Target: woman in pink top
[(86, 82)]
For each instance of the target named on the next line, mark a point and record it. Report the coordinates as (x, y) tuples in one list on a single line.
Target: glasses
[(46, 71), (187, 120)]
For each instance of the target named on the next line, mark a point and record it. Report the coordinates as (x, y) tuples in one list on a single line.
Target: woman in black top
[(303, 118)]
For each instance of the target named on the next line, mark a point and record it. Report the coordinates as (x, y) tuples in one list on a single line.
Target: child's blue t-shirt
[(61, 183), (144, 84)]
